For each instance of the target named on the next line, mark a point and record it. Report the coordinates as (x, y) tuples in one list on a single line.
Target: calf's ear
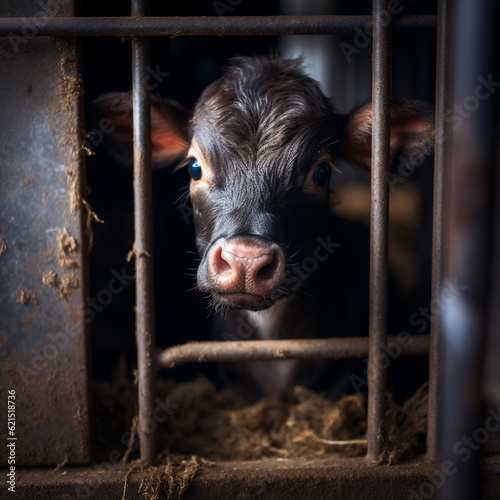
[(412, 132), (169, 128)]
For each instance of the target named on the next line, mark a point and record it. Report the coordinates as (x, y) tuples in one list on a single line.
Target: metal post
[(379, 229), (143, 244), (440, 216), (473, 171)]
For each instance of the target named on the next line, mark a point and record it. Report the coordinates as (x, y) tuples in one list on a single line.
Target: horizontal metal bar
[(204, 26), (247, 350)]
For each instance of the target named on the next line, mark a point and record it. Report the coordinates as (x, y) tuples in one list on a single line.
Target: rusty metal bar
[(205, 26), (247, 350), (377, 376), (441, 177), (143, 244)]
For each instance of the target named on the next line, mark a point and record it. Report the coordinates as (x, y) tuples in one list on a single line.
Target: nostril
[(271, 268), (222, 265), (268, 270)]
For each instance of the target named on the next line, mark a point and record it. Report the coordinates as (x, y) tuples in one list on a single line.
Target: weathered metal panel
[(43, 249), (281, 479)]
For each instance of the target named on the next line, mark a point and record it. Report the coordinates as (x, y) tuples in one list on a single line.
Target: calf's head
[(259, 148)]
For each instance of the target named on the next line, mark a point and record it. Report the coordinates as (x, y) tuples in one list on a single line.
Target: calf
[(259, 147)]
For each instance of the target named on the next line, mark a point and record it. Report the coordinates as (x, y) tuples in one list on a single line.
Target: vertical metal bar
[(474, 170), (439, 235), (379, 228), (143, 244)]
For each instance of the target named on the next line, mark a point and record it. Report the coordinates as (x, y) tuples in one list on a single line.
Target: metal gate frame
[(138, 26)]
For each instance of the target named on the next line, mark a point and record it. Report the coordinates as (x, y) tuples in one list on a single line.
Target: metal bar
[(247, 350), (204, 26), (441, 167), (143, 244), (473, 171), (377, 376)]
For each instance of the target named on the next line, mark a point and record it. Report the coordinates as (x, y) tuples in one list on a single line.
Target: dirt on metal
[(68, 247), (70, 80), (26, 298), (60, 285), (3, 246), (27, 181)]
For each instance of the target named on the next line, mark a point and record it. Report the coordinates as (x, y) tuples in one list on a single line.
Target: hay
[(200, 425), (134, 254), (136, 466), (77, 200), (59, 466), (171, 480), (222, 426), (406, 428)]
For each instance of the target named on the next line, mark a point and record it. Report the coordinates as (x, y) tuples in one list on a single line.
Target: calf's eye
[(194, 169), (321, 174)]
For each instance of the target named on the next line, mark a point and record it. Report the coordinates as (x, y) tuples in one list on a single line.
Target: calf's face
[(259, 159), (260, 146)]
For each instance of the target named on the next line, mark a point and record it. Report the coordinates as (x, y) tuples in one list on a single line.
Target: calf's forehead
[(262, 116), (276, 133)]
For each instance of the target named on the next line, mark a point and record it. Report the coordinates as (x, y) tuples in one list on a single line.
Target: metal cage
[(139, 27)]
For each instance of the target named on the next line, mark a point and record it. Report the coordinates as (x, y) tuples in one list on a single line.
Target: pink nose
[(243, 266)]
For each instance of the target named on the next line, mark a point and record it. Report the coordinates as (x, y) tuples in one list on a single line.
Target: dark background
[(192, 63)]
